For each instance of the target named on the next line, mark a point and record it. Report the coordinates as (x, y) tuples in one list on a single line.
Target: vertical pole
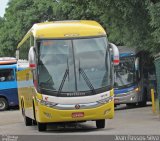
[(153, 101)]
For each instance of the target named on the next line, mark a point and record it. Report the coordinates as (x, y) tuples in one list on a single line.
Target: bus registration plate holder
[(77, 114)]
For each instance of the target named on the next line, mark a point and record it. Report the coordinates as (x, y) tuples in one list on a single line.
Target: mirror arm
[(115, 53)]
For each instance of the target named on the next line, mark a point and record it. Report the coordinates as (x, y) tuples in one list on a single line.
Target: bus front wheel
[(100, 123), (142, 104), (42, 126), (131, 105), (3, 104)]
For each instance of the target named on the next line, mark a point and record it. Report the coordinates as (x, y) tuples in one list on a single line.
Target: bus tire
[(28, 121), (34, 114), (22, 108), (3, 104), (42, 126), (100, 123), (34, 122), (143, 103), (130, 105)]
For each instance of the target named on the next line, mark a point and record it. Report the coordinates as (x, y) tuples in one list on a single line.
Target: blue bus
[(134, 77), (8, 83)]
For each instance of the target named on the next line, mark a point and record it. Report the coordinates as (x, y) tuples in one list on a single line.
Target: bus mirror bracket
[(115, 51), (32, 58)]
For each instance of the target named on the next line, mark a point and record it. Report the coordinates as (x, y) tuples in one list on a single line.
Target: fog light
[(107, 111), (48, 115)]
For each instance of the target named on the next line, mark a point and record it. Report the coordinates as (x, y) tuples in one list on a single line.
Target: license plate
[(77, 115)]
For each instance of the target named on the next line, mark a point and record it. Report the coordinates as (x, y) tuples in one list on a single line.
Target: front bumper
[(49, 115), (130, 97)]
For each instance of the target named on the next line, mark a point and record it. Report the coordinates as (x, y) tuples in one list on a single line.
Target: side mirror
[(32, 58), (137, 64), (115, 53), (17, 54), (137, 68)]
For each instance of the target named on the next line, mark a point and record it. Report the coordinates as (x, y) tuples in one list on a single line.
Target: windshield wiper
[(64, 78), (85, 77), (46, 86)]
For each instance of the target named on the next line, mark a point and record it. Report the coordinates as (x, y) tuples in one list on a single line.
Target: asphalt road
[(135, 121)]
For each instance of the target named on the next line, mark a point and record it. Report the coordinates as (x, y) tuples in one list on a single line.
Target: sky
[(3, 4)]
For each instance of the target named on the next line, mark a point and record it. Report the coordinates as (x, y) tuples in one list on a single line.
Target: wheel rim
[(2, 105)]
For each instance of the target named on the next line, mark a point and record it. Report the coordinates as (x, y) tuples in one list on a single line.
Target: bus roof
[(9, 66), (64, 29), (126, 51), (7, 60)]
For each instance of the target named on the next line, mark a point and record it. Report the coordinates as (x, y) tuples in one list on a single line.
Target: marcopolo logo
[(77, 106)]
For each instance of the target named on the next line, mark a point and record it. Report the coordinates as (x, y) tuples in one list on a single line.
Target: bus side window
[(10, 77)]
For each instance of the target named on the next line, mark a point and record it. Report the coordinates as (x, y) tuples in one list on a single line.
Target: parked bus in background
[(134, 77), (8, 83), (69, 77)]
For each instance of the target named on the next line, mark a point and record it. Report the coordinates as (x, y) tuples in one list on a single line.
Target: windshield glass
[(55, 58), (125, 72), (63, 65), (6, 75), (92, 62)]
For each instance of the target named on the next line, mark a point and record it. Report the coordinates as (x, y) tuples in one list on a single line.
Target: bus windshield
[(74, 65), (125, 72)]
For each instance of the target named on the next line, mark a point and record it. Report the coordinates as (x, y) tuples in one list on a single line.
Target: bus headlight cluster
[(106, 100), (47, 103)]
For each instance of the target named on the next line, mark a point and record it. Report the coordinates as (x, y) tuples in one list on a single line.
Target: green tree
[(133, 23), (127, 22), (154, 11), (20, 16)]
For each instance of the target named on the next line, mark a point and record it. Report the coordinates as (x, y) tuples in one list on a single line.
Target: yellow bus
[(67, 75)]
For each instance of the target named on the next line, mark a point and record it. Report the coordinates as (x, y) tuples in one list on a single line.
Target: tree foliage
[(133, 23), (20, 16)]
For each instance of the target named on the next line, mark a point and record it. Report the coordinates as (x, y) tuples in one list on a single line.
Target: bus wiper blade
[(86, 79), (64, 78), (46, 86)]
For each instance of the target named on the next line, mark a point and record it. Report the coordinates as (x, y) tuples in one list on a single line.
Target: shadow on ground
[(72, 128)]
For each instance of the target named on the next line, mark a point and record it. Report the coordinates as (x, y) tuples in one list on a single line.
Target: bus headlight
[(137, 90), (46, 103), (106, 100)]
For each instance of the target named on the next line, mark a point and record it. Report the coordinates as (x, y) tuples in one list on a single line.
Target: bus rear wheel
[(42, 126), (28, 121), (100, 123), (3, 104)]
